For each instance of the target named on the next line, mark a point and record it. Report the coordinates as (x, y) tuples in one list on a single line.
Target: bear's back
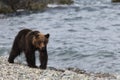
[(20, 38)]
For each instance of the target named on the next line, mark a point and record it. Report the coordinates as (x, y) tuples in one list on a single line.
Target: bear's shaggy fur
[(29, 41)]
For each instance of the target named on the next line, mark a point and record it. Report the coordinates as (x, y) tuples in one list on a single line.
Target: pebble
[(22, 72)]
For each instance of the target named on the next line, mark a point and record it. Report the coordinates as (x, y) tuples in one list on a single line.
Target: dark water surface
[(85, 35)]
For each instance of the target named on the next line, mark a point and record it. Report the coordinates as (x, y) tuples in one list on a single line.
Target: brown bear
[(29, 41)]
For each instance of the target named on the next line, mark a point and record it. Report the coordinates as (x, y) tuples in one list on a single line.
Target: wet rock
[(27, 4), (7, 6), (65, 2), (4, 8), (52, 68), (115, 0), (37, 6), (105, 75), (12, 3), (77, 70), (60, 1), (68, 75)]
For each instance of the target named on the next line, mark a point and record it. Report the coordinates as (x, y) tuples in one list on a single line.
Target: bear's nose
[(43, 48)]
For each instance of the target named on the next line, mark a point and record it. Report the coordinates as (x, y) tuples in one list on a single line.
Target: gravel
[(22, 72)]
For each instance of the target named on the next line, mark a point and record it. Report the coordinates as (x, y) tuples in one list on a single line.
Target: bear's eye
[(39, 42), (37, 36)]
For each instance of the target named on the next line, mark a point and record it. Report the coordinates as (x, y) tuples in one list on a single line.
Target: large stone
[(60, 1), (37, 6), (12, 3), (115, 0), (65, 1), (5, 8)]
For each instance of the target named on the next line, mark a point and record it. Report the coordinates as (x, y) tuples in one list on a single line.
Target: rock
[(37, 6), (77, 70), (115, 0), (68, 75), (65, 1), (52, 68), (12, 3), (60, 1), (5, 8)]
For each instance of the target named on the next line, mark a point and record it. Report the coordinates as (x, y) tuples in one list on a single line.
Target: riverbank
[(13, 6), (22, 72)]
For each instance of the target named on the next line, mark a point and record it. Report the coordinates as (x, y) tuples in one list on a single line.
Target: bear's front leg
[(43, 59), (30, 58)]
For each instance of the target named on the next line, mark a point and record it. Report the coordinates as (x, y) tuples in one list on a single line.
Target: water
[(84, 35)]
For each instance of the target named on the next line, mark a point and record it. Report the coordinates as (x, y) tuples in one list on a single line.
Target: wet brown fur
[(29, 41)]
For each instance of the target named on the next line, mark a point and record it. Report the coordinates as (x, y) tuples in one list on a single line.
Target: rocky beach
[(84, 39), (22, 72)]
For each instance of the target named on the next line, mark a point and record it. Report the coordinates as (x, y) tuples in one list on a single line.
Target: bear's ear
[(35, 33), (47, 35)]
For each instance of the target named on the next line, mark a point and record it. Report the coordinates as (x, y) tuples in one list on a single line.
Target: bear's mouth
[(43, 49)]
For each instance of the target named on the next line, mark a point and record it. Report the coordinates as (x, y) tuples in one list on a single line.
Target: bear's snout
[(43, 48)]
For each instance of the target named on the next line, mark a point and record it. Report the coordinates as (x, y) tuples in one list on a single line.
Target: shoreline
[(22, 72)]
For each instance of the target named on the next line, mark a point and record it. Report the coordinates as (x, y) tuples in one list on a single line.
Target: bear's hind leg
[(13, 55)]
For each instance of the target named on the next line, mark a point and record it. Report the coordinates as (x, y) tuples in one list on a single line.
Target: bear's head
[(40, 40)]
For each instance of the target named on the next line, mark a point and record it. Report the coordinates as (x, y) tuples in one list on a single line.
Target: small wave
[(105, 53), (73, 18), (102, 28), (55, 5), (72, 30), (89, 8)]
